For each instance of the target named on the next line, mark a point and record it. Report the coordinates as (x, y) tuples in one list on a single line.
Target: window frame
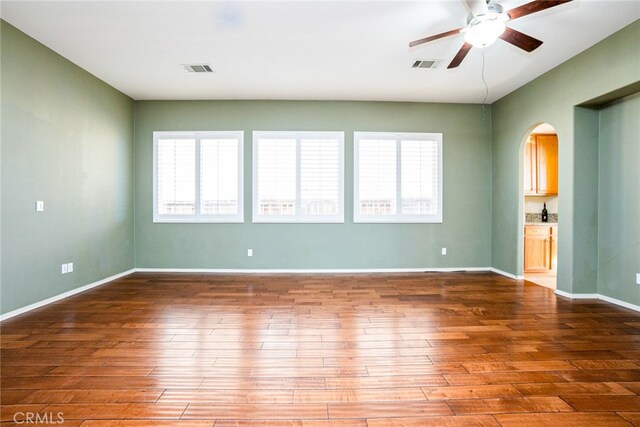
[(198, 218), (398, 218), (298, 218)]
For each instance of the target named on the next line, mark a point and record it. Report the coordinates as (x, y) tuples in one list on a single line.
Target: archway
[(538, 207)]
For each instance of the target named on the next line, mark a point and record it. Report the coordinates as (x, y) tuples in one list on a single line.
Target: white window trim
[(297, 218), (398, 218), (197, 218)]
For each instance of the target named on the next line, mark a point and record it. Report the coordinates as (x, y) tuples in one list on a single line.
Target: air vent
[(198, 68), (426, 63)]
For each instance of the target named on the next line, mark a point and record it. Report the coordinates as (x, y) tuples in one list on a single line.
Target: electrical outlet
[(249, 252), (39, 206), (70, 267), (444, 251), (64, 269)]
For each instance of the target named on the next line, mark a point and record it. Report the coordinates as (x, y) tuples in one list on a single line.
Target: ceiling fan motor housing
[(493, 10)]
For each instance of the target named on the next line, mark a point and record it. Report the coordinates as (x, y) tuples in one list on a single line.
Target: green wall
[(610, 65), (467, 188), (67, 139), (619, 200)]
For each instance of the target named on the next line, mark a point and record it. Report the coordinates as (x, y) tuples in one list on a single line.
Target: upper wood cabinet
[(547, 159), (541, 165), (530, 168)]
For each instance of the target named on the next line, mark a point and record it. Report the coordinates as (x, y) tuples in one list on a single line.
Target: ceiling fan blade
[(533, 7), (435, 37), (477, 7), (520, 40), (460, 55)]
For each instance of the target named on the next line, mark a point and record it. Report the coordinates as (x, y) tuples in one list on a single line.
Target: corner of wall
[(585, 208), (133, 181)]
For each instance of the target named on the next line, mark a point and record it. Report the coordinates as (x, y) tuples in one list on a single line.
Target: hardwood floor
[(431, 349)]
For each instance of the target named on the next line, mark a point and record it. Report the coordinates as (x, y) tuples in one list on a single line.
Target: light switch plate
[(64, 269), (249, 252), (638, 278), (444, 251), (70, 267), (39, 206)]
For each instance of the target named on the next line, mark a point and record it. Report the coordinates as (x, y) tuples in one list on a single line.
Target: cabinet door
[(530, 166), (536, 253), (554, 248), (547, 161)]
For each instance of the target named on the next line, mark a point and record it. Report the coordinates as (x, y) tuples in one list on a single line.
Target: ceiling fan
[(487, 23)]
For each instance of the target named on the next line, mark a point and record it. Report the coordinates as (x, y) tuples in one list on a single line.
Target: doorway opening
[(541, 206)]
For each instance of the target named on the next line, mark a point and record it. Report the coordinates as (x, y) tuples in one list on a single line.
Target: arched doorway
[(540, 205)]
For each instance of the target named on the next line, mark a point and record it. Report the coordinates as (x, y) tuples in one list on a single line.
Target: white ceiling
[(337, 50)]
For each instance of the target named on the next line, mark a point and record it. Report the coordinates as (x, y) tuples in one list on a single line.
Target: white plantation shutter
[(398, 177), (419, 177), (219, 176), (198, 177), (319, 177), (176, 176), (276, 176), (298, 177), (377, 174)]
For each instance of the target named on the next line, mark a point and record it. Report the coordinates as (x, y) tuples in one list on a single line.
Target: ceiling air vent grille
[(426, 63), (198, 68)]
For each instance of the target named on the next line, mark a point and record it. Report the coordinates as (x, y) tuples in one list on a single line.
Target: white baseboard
[(504, 273), (620, 303), (599, 297), (306, 271), (63, 295), (576, 296)]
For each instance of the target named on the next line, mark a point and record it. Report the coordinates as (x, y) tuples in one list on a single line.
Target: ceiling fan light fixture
[(483, 30), (488, 22)]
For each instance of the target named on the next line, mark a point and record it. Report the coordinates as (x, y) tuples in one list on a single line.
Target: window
[(197, 177), (398, 177), (298, 177)]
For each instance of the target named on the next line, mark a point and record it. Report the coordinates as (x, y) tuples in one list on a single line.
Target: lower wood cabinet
[(540, 248), (554, 248)]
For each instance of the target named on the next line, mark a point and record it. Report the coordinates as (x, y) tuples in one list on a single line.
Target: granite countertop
[(536, 219)]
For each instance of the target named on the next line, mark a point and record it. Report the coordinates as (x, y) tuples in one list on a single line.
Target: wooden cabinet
[(547, 162), (541, 165), (540, 248), (536, 249), (530, 168), (554, 247)]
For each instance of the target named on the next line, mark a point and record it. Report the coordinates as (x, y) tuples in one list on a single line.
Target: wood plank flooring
[(430, 349)]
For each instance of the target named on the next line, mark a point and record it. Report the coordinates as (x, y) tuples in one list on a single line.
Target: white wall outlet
[(249, 252), (638, 278), (64, 269), (39, 206), (444, 251), (70, 267)]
